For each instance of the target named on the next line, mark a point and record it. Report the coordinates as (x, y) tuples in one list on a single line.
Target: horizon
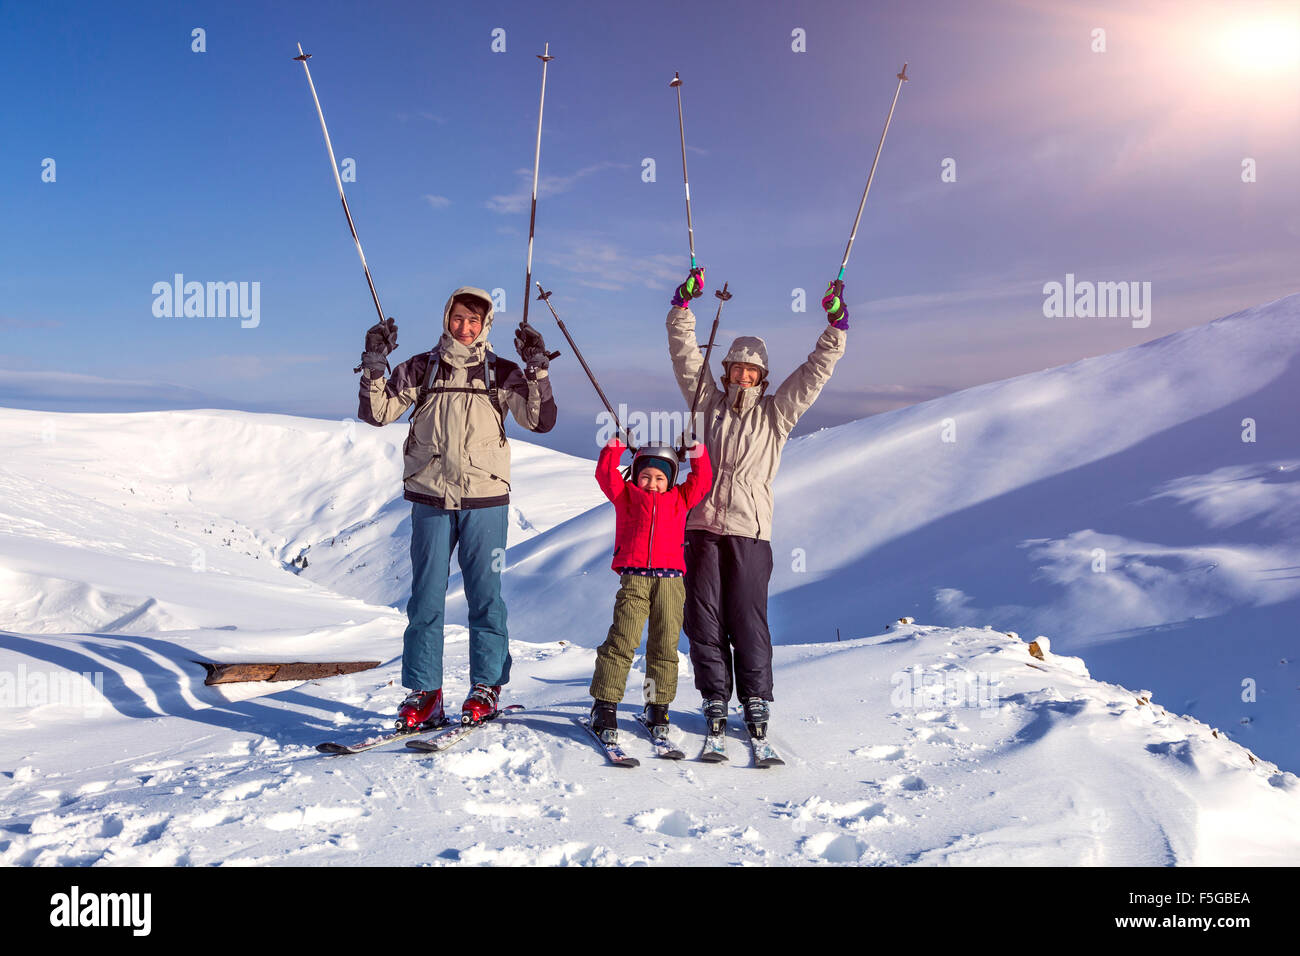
[(1034, 145)]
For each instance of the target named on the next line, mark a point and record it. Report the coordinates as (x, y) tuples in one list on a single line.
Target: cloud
[(437, 202), (404, 117), (599, 264), (73, 391), (521, 199)]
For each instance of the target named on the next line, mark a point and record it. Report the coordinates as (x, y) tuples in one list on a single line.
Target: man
[(456, 474), (729, 534)]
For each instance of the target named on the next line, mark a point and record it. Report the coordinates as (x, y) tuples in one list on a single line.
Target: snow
[(1050, 767), (1108, 507)]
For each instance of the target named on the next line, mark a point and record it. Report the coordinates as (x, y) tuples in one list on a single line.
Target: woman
[(729, 534)]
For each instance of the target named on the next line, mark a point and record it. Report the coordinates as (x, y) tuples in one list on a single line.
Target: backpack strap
[(490, 381), (435, 359)]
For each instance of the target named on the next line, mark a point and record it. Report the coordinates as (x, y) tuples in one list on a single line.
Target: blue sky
[(1122, 165)]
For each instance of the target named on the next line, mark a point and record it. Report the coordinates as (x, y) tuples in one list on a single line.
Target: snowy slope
[(85, 499), (1138, 453), (946, 747)]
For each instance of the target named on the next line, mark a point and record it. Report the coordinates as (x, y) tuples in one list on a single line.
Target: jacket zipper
[(649, 548)]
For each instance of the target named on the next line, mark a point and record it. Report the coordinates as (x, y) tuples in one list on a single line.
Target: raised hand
[(381, 339), (836, 312), (692, 288), (531, 348)]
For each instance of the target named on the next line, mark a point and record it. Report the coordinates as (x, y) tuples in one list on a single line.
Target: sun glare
[(1262, 45)]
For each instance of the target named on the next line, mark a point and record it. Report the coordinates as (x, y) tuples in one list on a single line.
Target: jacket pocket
[(416, 456), (754, 513), (492, 458)]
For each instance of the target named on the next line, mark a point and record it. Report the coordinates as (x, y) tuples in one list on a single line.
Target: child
[(650, 528)]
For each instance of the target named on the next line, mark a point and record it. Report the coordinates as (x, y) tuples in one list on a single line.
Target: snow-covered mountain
[(1111, 504)]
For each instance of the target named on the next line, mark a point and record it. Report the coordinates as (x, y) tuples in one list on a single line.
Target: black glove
[(531, 348), (381, 338)]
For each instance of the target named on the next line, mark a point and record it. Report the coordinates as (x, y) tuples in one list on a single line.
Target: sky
[(1135, 142)]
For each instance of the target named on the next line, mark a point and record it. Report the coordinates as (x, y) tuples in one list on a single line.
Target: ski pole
[(545, 296), (723, 295), (545, 57), (334, 168), (902, 78), (676, 84)]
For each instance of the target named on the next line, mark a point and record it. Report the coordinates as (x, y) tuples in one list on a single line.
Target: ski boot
[(481, 704), (604, 721), (656, 720), (715, 715), (756, 715), (421, 708)]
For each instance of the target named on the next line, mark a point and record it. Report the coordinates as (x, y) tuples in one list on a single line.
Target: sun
[(1261, 44)]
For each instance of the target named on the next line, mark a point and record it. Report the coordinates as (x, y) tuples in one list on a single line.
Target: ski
[(613, 752), (765, 754), (663, 747), (454, 735), (370, 743), (715, 748)]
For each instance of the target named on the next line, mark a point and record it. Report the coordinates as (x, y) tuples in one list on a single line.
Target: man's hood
[(487, 319)]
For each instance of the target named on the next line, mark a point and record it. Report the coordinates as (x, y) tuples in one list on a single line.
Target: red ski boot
[(481, 704), (421, 708)]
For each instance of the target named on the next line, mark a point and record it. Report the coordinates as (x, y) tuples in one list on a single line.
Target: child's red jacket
[(650, 529)]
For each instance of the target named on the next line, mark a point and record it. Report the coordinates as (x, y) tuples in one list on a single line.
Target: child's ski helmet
[(656, 456)]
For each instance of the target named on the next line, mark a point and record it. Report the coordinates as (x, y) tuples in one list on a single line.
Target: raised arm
[(608, 476), (800, 390), (529, 399), (384, 400), (683, 347), (699, 482), (527, 391)]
